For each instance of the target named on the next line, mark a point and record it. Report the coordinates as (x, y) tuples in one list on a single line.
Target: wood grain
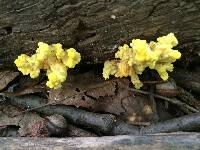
[(95, 28), (184, 141)]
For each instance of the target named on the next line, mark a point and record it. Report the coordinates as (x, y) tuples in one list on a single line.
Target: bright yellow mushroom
[(53, 58), (139, 55)]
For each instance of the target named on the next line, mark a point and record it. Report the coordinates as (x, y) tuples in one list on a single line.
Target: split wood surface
[(184, 141), (94, 28)]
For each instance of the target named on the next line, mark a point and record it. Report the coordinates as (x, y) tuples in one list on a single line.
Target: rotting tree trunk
[(184, 141), (94, 28)]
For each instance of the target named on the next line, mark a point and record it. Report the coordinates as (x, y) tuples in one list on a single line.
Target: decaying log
[(94, 28), (188, 98), (188, 80), (184, 141)]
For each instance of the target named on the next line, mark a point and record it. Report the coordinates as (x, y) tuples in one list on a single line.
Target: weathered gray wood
[(182, 141), (94, 27)]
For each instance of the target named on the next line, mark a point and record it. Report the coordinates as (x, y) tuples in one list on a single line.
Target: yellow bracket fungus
[(132, 60), (52, 58)]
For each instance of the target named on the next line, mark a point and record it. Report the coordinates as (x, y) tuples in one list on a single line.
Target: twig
[(154, 103), (106, 123), (185, 123), (152, 82), (171, 100), (99, 122)]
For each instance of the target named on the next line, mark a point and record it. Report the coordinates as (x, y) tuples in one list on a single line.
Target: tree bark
[(164, 141), (188, 80), (94, 28)]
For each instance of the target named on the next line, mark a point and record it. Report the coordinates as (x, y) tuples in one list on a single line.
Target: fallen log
[(94, 28), (159, 141)]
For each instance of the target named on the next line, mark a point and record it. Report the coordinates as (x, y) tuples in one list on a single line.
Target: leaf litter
[(97, 95), (24, 122), (6, 77)]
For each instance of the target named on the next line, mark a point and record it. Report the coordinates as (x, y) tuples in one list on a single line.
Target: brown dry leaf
[(27, 86), (82, 90), (24, 121), (99, 95), (6, 115), (6, 77), (27, 121)]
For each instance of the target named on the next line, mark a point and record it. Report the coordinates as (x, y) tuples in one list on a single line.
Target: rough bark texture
[(94, 27), (174, 141), (188, 80)]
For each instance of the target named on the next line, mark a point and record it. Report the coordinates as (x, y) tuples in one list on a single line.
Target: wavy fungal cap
[(132, 60), (52, 58)]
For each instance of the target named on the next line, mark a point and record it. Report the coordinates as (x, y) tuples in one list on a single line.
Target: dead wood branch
[(106, 123)]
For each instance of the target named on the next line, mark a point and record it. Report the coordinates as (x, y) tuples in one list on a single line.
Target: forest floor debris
[(94, 107)]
